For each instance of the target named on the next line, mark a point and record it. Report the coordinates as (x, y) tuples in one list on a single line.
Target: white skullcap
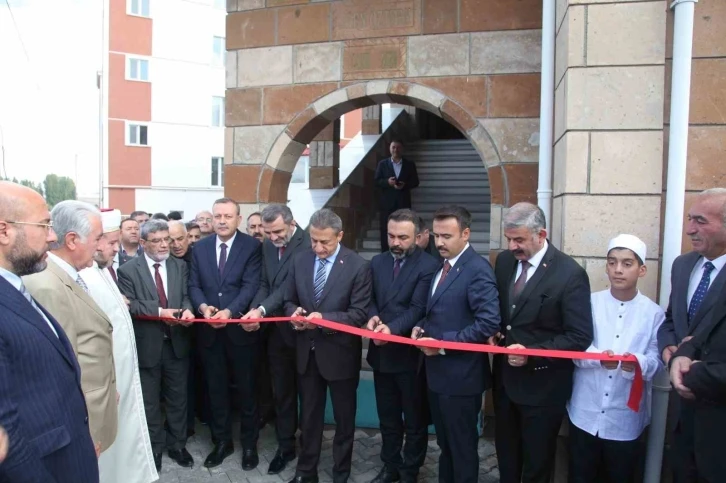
[(630, 242), (111, 220)]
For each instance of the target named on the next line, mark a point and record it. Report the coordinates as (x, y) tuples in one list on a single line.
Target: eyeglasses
[(48, 226), (156, 241), (202, 220)]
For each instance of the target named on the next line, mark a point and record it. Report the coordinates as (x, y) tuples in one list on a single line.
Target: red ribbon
[(636, 390)]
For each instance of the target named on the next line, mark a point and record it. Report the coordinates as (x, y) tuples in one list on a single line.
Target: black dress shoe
[(218, 454), (157, 461), (387, 475), (250, 460), (182, 457), (279, 462), (304, 479)]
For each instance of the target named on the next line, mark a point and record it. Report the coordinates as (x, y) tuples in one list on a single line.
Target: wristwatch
[(262, 310)]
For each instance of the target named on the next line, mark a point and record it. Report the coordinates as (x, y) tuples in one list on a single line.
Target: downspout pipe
[(674, 208), (546, 109)]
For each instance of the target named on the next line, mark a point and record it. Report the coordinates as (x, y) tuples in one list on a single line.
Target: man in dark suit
[(283, 240), (156, 285), (462, 307), (697, 280), (426, 241), (698, 373), (401, 284), (395, 178), (130, 248), (224, 279), (545, 304), (328, 282), (42, 407)]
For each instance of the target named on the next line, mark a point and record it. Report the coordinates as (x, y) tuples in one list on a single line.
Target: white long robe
[(130, 458)]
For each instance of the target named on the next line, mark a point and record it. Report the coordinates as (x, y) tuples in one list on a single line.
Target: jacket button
[(86, 420), (219, 294), (509, 327)]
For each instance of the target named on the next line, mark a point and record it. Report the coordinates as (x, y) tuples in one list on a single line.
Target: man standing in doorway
[(130, 232), (697, 280), (254, 226), (395, 178)]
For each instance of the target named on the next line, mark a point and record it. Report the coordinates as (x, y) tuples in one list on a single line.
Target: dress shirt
[(228, 243), (452, 262), (162, 271), (599, 402), (533, 263), (397, 167), (115, 263), (139, 251), (70, 270), (697, 273), (328, 266), (17, 282)]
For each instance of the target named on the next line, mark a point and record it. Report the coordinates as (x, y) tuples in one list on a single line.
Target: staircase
[(450, 173)]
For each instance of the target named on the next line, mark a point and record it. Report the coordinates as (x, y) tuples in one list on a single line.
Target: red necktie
[(396, 267), (282, 252), (521, 280), (113, 273), (160, 287), (444, 272)]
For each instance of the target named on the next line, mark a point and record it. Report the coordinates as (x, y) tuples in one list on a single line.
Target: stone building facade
[(295, 66)]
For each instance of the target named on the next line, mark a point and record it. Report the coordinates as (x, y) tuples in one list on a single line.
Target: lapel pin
[(341, 262), (458, 268), (544, 265)]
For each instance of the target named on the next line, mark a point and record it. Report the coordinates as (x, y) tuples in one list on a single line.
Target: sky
[(49, 99)]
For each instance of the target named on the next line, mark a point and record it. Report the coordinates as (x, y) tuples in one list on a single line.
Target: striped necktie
[(320, 278)]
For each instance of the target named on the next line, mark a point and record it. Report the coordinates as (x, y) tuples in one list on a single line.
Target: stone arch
[(274, 177)]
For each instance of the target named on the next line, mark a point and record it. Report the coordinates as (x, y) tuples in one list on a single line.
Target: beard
[(101, 262), (279, 243), (159, 258), (25, 261), (400, 253)]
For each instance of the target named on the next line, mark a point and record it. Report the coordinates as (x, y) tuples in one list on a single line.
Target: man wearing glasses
[(204, 219)]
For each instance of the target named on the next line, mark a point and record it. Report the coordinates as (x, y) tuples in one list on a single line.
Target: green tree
[(26, 182), (58, 188)]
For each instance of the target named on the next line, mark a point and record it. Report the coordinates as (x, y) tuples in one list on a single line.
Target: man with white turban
[(130, 458)]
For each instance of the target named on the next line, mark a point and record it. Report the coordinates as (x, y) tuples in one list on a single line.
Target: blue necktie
[(701, 290), (320, 278)]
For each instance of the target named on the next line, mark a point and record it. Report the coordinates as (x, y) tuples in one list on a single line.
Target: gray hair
[(72, 216), (153, 226), (325, 218), (716, 193), (177, 223), (272, 212), (527, 215)]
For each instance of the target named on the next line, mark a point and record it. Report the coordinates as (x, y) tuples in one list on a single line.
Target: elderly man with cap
[(604, 431), (130, 458)]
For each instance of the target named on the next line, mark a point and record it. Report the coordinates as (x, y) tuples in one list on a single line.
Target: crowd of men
[(98, 331)]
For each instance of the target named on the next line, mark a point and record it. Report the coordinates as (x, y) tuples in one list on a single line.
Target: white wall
[(190, 202)]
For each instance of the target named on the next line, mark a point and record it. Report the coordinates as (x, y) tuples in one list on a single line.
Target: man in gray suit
[(697, 280), (283, 240), (156, 285)]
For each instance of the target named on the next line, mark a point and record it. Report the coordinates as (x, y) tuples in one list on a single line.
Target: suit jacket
[(707, 380), (345, 299), (676, 325), (552, 312), (42, 406), (138, 285), (391, 198), (234, 290), (432, 250), (271, 293), (400, 304), (90, 333), (123, 257), (464, 308)]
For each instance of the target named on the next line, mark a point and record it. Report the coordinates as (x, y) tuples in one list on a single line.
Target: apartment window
[(137, 69), (218, 51), (217, 171), (137, 134), (138, 7), (217, 111)]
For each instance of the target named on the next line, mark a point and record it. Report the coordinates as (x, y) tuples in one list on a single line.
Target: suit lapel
[(535, 280), (714, 291), (142, 268), (77, 290), (13, 300), (680, 308), (394, 286), (232, 255), (294, 243), (335, 272), (171, 289), (453, 274)]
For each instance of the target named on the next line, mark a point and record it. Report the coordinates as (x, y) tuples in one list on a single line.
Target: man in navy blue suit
[(224, 279), (401, 283), (42, 406), (463, 306)]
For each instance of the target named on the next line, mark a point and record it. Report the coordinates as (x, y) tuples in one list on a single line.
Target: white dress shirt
[(397, 167), (67, 267), (533, 263), (452, 262), (17, 282), (697, 273), (599, 402), (162, 272), (228, 243)]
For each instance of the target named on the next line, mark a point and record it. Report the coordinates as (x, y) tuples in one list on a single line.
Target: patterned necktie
[(163, 302), (320, 277), (113, 273), (396, 268), (222, 258), (444, 273), (522, 279), (82, 284), (701, 290)]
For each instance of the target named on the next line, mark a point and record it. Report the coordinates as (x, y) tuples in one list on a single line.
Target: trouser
[(591, 456)]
